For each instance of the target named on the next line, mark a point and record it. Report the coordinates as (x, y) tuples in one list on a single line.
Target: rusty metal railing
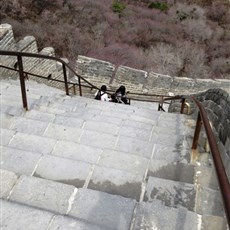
[(223, 181), (21, 71)]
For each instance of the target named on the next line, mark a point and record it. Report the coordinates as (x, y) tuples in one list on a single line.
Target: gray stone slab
[(103, 127), (12, 110), (135, 146), (6, 136), (68, 223), (134, 132), (206, 176), (124, 161), (6, 121), (168, 139), (77, 151), (16, 216), (108, 211), (213, 223), (154, 215), (41, 116), (172, 171), (19, 161), (136, 118), (63, 170), (61, 132), (41, 193), (137, 124), (209, 202), (107, 119), (98, 139), (171, 154), (147, 114), (50, 110), (8, 180), (116, 182), (69, 121), (171, 193), (29, 126), (33, 143)]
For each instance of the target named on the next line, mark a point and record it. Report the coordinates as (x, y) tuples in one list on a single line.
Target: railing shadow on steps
[(202, 115)]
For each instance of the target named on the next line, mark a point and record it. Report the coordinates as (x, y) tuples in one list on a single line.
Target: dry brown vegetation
[(178, 38)]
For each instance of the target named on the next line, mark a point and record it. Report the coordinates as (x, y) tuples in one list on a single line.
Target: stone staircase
[(78, 163)]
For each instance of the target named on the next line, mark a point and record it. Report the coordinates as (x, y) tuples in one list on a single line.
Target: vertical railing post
[(79, 83), (65, 79), (74, 89), (182, 105), (197, 131), (22, 82)]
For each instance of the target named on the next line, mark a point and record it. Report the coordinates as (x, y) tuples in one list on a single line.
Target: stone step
[(88, 205), (17, 216), (171, 193), (171, 171), (154, 215)]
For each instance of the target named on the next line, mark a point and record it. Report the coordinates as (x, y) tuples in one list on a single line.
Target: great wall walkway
[(78, 163)]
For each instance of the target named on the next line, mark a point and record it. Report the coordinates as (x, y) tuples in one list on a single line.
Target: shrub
[(158, 5), (118, 7)]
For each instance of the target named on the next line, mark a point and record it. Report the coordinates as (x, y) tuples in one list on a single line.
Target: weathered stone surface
[(29, 126), (156, 216), (63, 170), (124, 161), (17, 216), (171, 154), (41, 193), (134, 146), (171, 171), (61, 132), (19, 161), (33, 143), (108, 211), (209, 202), (8, 180), (6, 136), (98, 139), (171, 193), (77, 151), (68, 223), (213, 222), (116, 182)]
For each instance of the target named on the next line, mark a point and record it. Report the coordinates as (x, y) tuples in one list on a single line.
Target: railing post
[(65, 79), (182, 106), (197, 131), (22, 82), (79, 83)]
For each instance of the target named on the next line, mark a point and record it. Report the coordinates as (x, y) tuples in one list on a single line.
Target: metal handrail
[(218, 163), (219, 166)]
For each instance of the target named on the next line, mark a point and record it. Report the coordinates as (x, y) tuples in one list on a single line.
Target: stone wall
[(217, 105), (100, 72)]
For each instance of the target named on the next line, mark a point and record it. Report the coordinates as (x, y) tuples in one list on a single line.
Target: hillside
[(178, 38)]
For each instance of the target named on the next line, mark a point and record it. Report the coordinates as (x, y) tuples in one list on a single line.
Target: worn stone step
[(18, 216), (87, 205), (171, 193), (171, 171), (154, 215)]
